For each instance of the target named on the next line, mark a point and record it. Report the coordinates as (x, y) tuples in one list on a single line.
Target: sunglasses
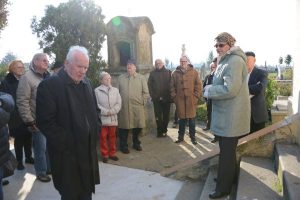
[(219, 45)]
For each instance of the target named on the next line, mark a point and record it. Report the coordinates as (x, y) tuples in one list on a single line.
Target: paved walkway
[(117, 183), (134, 177)]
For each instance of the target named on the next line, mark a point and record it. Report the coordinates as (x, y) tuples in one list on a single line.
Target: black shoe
[(138, 148), (214, 140), (5, 182), (194, 142), (206, 128), (162, 135), (20, 166), (43, 178), (125, 151), (105, 160), (29, 160), (114, 158), (217, 195), (178, 141)]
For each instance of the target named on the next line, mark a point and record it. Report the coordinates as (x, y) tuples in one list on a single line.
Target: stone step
[(190, 190), (287, 162), (257, 180), (210, 185)]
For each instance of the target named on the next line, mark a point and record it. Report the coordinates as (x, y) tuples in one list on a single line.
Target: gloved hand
[(205, 91)]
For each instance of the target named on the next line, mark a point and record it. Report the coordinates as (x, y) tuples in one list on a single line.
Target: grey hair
[(102, 74), (74, 49), (36, 57), (188, 59)]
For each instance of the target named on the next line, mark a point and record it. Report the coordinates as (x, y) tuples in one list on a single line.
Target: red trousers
[(107, 137)]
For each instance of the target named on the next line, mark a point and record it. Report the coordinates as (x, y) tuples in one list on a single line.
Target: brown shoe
[(43, 178), (214, 140), (125, 151), (105, 160), (114, 158), (206, 129), (138, 148), (178, 141)]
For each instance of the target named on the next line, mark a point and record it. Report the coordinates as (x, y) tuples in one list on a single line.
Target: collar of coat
[(190, 67), (68, 79), (104, 88), (133, 75), (161, 69)]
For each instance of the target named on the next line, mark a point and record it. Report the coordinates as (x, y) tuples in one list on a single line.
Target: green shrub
[(201, 112), (285, 89), (288, 74), (3, 71), (271, 92), (272, 75)]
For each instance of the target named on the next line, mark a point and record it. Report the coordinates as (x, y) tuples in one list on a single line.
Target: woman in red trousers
[(109, 102)]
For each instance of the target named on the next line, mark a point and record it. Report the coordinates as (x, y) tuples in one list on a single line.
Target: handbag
[(10, 165)]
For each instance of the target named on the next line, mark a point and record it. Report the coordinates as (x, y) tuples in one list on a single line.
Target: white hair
[(102, 74), (74, 49)]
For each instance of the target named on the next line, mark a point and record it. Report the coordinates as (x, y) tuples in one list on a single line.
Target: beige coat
[(26, 94), (134, 93), (186, 89)]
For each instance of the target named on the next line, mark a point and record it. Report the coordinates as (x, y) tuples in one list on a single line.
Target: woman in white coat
[(109, 102)]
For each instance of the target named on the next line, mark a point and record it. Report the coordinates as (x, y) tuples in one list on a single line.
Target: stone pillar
[(294, 101)]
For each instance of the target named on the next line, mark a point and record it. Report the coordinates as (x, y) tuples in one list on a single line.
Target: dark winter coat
[(10, 85), (159, 85), (7, 106), (67, 116), (257, 84)]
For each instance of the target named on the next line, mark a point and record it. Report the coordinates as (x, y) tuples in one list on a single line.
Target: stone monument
[(131, 38)]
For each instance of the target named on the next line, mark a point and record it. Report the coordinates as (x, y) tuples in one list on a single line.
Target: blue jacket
[(6, 107)]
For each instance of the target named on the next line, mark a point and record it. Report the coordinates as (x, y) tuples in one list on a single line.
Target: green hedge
[(201, 112)]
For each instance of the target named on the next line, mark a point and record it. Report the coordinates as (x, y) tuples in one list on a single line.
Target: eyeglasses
[(219, 45), (183, 61)]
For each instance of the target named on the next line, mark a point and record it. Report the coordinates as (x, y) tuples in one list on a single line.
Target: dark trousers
[(256, 126), (123, 136), (192, 129), (162, 112), (85, 196), (175, 117), (208, 114), (23, 140), (227, 164)]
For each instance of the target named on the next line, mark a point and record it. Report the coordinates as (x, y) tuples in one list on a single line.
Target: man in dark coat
[(66, 114), (258, 80), (208, 80), (159, 89)]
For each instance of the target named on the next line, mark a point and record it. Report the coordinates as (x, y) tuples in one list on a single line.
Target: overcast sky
[(263, 26)]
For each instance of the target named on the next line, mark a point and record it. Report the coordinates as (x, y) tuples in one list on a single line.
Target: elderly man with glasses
[(186, 89)]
